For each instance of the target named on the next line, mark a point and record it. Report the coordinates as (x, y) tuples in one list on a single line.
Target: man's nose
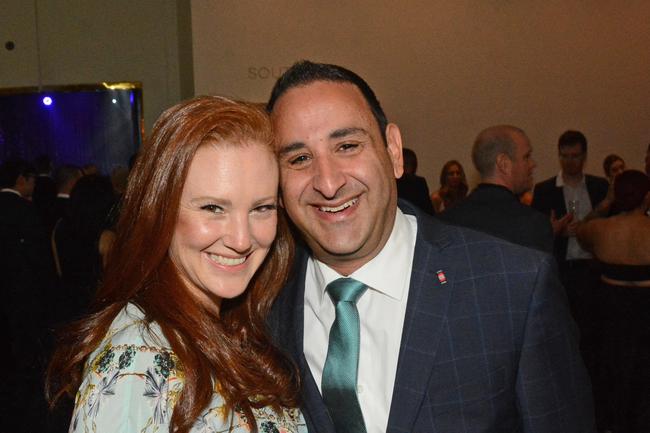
[(328, 177)]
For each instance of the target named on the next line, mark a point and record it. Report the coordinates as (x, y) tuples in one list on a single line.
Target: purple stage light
[(47, 101)]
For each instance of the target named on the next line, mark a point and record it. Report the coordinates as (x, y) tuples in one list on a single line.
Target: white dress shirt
[(381, 312), (580, 195), (13, 191)]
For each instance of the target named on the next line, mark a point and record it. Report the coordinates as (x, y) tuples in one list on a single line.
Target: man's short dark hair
[(12, 169), (571, 138), (305, 72)]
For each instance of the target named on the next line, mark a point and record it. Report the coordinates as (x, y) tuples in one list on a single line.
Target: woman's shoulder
[(131, 327), (133, 378)]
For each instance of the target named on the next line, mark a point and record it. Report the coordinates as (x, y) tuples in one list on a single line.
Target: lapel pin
[(441, 277)]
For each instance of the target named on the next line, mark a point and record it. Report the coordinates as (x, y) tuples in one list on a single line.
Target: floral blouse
[(132, 382)]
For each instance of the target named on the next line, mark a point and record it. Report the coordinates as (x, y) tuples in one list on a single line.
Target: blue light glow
[(47, 101)]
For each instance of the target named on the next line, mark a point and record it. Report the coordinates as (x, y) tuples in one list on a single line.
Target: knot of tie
[(345, 290)]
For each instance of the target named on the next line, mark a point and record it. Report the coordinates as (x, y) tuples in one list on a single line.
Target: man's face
[(523, 165), (337, 176), (25, 185), (572, 159)]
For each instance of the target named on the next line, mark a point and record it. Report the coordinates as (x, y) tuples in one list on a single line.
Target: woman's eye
[(297, 160), (265, 208), (212, 208)]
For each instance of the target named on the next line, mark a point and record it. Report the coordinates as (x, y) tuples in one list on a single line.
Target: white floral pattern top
[(132, 382)]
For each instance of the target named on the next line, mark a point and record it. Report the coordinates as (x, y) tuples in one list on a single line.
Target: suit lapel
[(313, 408), (426, 314)]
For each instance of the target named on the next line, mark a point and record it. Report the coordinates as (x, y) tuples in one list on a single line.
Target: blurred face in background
[(454, 175), (523, 165), (572, 159), (615, 169)]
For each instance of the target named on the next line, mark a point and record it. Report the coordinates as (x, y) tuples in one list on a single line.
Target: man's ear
[(503, 165), (394, 147)]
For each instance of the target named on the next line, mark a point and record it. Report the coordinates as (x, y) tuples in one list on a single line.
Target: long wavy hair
[(233, 350)]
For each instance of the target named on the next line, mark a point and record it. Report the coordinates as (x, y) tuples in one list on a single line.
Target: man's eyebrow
[(291, 147), (344, 132)]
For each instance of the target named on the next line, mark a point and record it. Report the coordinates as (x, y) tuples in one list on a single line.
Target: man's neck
[(571, 179), (495, 180)]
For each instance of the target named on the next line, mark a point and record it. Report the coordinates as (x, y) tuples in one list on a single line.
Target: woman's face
[(616, 168), (454, 175), (227, 219)]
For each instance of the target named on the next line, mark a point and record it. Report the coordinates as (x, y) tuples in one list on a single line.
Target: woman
[(613, 165), (81, 241), (620, 243), (177, 340), (453, 186)]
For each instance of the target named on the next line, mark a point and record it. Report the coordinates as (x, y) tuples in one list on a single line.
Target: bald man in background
[(502, 155)]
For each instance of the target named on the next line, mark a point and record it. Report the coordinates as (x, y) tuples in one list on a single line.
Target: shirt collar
[(63, 195), (559, 180), (385, 272), (11, 191)]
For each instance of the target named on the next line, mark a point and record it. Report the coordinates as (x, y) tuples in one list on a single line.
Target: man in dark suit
[(399, 322), (503, 157), (28, 280), (410, 186), (567, 199), (570, 196)]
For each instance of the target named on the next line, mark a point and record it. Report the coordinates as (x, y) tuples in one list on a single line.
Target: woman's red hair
[(234, 349)]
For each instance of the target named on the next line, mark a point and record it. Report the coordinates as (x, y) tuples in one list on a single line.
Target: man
[(66, 178), (410, 186), (44, 194), (568, 198), (431, 332), (27, 281), (503, 157)]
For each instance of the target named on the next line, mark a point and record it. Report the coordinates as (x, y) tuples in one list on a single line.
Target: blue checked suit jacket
[(492, 350)]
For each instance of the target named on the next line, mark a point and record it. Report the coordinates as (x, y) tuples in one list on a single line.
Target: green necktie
[(339, 384)]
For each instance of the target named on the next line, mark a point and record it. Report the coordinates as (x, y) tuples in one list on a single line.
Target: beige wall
[(445, 69), (60, 42)]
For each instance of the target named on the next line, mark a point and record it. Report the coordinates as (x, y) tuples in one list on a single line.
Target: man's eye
[(348, 146), (212, 208)]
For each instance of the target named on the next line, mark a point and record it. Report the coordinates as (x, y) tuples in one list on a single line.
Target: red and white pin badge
[(441, 277)]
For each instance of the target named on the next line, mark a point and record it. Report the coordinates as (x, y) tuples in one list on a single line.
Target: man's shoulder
[(546, 184), (597, 180), (470, 242)]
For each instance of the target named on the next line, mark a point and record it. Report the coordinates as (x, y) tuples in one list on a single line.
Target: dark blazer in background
[(493, 349), (495, 210), (27, 284), (414, 189), (547, 197)]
